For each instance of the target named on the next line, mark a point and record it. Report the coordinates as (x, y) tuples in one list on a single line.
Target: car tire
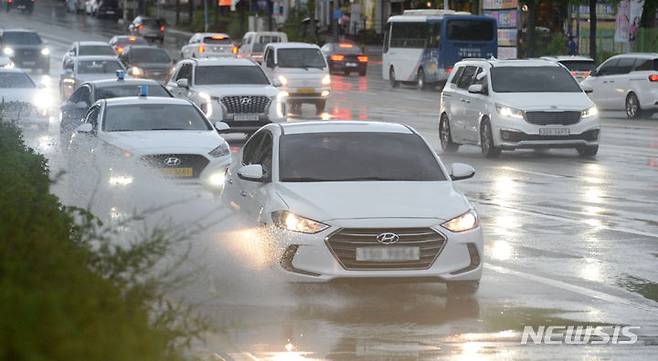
[(489, 149), (632, 107), (319, 106), (391, 78), (445, 135), (462, 288), (587, 151), (420, 80)]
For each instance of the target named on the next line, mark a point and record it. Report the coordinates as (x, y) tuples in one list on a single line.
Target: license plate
[(306, 90), (553, 131), (350, 64), (246, 116), (384, 254), (177, 172)]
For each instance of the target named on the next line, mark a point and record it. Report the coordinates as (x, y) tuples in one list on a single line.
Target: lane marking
[(570, 220), (511, 169), (572, 288)]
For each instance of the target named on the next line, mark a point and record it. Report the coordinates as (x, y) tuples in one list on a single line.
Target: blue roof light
[(121, 75), (143, 90)]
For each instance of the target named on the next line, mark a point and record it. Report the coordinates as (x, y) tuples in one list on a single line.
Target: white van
[(301, 70), (253, 43)]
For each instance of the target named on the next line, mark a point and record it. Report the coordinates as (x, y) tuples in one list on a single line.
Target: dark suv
[(26, 49), (148, 28), (23, 5)]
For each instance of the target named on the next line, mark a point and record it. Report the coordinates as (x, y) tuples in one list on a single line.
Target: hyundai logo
[(388, 238), (172, 162), (245, 100)]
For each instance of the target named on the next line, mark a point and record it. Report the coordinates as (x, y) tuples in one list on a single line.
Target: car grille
[(544, 118), (343, 245), (252, 104), (195, 161)]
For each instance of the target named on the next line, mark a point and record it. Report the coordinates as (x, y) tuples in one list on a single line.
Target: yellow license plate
[(306, 90), (177, 172)]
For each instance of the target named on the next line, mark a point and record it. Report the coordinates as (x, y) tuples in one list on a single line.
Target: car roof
[(212, 34), (224, 62), (92, 43), (637, 55), (143, 46), (567, 58), (112, 82), (95, 57), (17, 30), (293, 45), (343, 127), (146, 100), (509, 62)]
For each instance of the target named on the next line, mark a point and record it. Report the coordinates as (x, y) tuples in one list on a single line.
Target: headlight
[(217, 180), (135, 71), (325, 93), (280, 103), (295, 223), (326, 80), (509, 112), (589, 112), (45, 51), (283, 80), (464, 222), (206, 104), (222, 150), (8, 51)]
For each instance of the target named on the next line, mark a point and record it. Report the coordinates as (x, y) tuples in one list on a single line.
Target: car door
[(75, 108), (475, 106), (184, 72), (600, 83), (245, 193), (450, 99), (619, 83), (85, 143), (269, 63), (460, 102)]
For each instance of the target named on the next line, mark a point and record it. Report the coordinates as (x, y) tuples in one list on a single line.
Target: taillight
[(653, 77), (141, 27), (202, 48), (120, 50), (337, 57), (234, 50), (362, 58), (449, 69), (10, 1), (162, 28)]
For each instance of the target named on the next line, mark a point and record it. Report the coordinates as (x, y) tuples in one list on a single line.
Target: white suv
[(628, 82), (230, 90), (511, 104)]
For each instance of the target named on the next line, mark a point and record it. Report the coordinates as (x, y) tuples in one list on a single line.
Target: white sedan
[(168, 134), (22, 100), (358, 200)]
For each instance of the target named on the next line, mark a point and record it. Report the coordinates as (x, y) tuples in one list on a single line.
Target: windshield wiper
[(167, 129), (305, 179)]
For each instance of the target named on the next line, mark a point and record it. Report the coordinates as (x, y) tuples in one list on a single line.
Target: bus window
[(434, 34), (470, 30), (408, 35), (387, 33)]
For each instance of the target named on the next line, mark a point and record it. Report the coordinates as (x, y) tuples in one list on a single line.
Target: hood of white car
[(326, 201), (232, 90), (165, 141), (545, 101)]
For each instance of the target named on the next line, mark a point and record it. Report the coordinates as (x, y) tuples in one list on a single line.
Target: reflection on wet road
[(568, 242)]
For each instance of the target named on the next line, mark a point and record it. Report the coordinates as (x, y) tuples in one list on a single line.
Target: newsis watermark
[(579, 335)]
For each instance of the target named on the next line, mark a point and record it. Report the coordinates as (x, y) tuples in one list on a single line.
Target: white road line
[(572, 288), (511, 169), (570, 220), (250, 356)]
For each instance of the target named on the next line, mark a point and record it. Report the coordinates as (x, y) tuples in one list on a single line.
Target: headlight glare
[(135, 71), (326, 80), (461, 223), (589, 112), (509, 112), (45, 51), (283, 80), (221, 150), (8, 51), (292, 222)]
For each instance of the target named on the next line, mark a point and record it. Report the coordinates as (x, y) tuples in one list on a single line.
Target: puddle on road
[(643, 287)]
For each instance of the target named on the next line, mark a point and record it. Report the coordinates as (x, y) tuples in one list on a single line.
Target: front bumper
[(512, 134), (309, 258)]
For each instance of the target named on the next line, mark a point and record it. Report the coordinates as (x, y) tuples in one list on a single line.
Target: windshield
[(96, 50), (226, 75), (144, 117), (149, 55), (16, 80), (470, 30), (358, 156), (578, 65), (21, 38), (533, 79), (129, 90), (300, 58), (98, 66)]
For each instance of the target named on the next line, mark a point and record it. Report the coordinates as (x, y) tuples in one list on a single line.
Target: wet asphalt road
[(567, 242)]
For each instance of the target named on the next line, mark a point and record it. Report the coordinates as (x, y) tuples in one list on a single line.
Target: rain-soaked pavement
[(568, 242)]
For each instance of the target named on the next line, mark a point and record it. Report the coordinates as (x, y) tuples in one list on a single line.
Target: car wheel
[(420, 80), (587, 151), (319, 106), (462, 288), (633, 110), (447, 144), (489, 149), (391, 78)]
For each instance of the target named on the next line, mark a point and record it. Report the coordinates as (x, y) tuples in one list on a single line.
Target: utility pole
[(205, 15), (446, 4)]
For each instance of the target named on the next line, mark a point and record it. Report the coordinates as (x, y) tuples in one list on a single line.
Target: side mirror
[(587, 89), (460, 171), (276, 83), (594, 72), (475, 88), (221, 126), (251, 172), (481, 75), (84, 128), (183, 83)]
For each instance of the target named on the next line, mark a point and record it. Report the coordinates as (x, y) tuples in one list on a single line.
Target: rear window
[(131, 90), (149, 55), (21, 38), (470, 30), (98, 67), (646, 64), (16, 80), (220, 40), (96, 50), (578, 65), (132, 41), (347, 49), (263, 40)]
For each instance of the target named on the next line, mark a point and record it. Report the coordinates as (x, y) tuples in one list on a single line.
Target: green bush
[(61, 298)]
